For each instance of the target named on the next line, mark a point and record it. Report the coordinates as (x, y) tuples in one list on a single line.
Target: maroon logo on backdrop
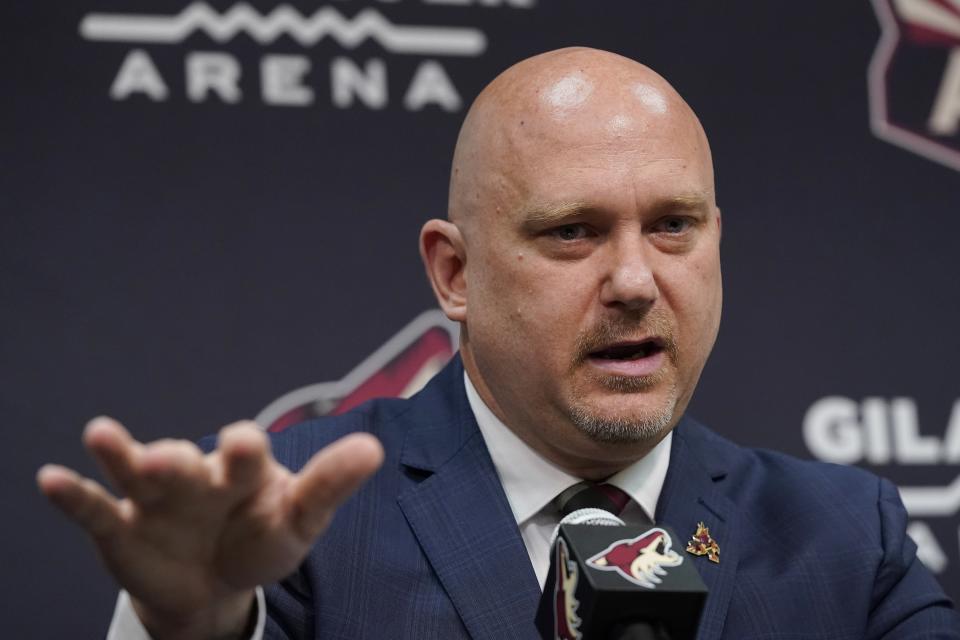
[(914, 78), (399, 368)]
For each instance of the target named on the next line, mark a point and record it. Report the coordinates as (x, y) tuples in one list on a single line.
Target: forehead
[(577, 126), (612, 159)]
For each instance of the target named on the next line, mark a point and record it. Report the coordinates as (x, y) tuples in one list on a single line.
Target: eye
[(569, 232), (674, 225)]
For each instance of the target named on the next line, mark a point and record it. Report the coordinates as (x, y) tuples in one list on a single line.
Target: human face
[(594, 286)]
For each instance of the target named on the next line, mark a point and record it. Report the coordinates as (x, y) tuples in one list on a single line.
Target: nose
[(630, 282)]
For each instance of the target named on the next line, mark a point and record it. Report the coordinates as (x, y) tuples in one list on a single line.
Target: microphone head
[(607, 577), (589, 515)]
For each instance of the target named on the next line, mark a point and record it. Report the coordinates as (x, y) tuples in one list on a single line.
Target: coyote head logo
[(641, 560)]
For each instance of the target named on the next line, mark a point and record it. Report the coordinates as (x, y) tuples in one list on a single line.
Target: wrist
[(231, 618)]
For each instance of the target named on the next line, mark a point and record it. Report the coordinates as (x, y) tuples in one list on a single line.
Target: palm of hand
[(195, 533)]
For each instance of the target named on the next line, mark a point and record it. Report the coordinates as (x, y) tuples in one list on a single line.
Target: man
[(581, 257)]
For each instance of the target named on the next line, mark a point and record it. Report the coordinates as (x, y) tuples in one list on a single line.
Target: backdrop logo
[(880, 431), (914, 77), (289, 79), (399, 368)]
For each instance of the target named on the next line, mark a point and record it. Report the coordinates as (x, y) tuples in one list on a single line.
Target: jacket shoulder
[(382, 418), (772, 476), (835, 532)]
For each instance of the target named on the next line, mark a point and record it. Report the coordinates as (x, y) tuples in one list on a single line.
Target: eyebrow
[(687, 201), (553, 213), (545, 214)]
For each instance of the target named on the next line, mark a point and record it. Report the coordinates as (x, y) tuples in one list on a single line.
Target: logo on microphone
[(566, 622), (641, 560)]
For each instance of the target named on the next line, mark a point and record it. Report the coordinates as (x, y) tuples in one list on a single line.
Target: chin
[(632, 428), (625, 410)]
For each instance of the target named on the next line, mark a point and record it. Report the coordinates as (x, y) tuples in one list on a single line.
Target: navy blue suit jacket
[(429, 547)]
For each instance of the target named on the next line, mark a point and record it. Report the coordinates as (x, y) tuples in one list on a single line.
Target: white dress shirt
[(125, 624), (531, 483)]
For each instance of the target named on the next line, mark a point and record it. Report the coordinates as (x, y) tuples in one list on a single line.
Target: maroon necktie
[(589, 495)]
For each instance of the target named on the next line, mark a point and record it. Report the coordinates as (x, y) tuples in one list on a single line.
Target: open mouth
[(625, 351)]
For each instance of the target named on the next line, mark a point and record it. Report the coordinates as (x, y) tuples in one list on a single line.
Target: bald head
[(581, 256), (554, 101)]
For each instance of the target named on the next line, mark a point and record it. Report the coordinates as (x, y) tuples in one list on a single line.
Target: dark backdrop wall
[(208, 206)]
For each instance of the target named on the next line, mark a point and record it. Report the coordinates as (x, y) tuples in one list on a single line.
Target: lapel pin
[(701, 544)]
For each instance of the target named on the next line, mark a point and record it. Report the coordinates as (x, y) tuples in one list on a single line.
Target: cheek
[(502, 284), (500, 300), (520, 285), (555, 298), (529, 307), (695, 295), (713, 285)]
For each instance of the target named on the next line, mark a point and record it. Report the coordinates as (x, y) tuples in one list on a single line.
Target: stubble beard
[(626, 429)]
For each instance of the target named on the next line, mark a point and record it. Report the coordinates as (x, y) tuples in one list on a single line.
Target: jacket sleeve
[(907, 600), (290, 609)]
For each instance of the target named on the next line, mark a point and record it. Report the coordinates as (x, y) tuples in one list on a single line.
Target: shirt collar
[(531, 482)]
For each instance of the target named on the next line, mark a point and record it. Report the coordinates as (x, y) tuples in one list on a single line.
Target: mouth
[(629, 350), (635, 358)]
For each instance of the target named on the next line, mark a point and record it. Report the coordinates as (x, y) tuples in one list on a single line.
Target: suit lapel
[(691, 495), (461, 517)]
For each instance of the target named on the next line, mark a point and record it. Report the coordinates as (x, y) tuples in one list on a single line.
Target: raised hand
[(197, 532)]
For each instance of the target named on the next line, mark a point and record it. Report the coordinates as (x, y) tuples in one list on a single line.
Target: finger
[(172, 471), (245, 453), (81, 499), (329, 478), (115, 451)]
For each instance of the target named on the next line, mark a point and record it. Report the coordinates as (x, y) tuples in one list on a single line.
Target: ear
[(445, 259), (719, 224)]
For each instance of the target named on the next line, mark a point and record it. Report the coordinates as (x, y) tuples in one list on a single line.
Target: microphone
[(617, 582)]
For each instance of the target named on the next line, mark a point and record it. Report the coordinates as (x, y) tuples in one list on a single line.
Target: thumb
[(331, 476)]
